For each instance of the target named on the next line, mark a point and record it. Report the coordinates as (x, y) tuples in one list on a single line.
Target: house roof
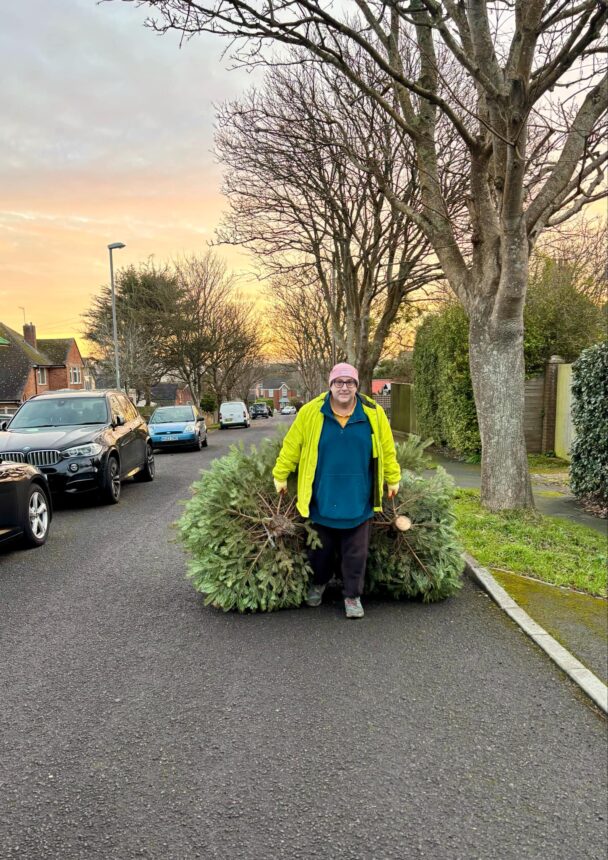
[(164, 391), (273, 383), (57, 349), (16, 361), (19, 357)]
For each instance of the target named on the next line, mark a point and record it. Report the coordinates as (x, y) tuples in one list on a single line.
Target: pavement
[(579, 622), (135, 722)]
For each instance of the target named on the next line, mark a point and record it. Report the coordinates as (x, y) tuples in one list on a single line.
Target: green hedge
[(589, 466), (445, 407)]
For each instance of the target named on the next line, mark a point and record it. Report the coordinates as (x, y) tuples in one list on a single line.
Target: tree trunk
[(496, 360), (365, 378)]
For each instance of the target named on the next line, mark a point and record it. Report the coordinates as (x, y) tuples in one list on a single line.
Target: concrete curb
[(586, 680)]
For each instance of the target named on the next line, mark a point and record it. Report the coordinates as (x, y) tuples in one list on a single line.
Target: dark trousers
[(346, 547)]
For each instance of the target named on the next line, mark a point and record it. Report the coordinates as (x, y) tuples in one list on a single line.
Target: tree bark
[(496, 360)]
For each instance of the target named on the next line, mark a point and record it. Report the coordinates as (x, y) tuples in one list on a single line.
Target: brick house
[(276, 390), (30, 366), (170, 394)]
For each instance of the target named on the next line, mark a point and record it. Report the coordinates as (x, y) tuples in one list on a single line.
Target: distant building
[(381, 386), (276, 390), (29, 366), (170, 394), (381, 392)]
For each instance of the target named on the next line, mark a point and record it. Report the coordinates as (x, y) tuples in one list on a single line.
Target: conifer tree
[(248, 546)]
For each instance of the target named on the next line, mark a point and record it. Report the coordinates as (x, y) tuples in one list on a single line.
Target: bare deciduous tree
[(537, 71), (209, 331), (234, 361), (304, 199), (303, 331), (582, 248)]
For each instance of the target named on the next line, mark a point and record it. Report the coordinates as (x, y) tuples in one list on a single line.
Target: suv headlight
[(92, 449), (189, 428)]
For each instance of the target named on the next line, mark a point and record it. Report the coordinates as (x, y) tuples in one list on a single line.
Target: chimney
[(29, 334)]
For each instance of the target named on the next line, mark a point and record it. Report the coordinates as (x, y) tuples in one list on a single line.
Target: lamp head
[(115, 245)]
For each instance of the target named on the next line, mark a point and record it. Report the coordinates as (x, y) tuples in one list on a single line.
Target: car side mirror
[(119, 421), (3, 425)]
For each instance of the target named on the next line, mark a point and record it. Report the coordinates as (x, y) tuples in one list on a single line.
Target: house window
[(75, 376), (270, 392), (41, 376)]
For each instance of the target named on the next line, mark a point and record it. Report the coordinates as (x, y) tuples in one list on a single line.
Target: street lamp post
[(113, 247)]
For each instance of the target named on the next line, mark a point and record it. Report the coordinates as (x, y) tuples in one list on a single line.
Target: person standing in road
[(342, 446)]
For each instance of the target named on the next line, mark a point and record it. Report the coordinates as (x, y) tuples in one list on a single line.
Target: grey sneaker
[(314, 595), (353, 608)]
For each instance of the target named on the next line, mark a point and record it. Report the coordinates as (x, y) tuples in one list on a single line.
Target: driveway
[(137, 723)]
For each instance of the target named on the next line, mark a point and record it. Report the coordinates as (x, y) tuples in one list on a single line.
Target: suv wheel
[(110, 488), (36, 525), (148, 470)]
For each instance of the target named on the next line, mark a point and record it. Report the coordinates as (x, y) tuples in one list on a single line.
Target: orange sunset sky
[(106, 136)]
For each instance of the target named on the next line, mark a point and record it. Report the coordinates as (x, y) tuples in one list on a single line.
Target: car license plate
[(172, 438), (228, 420)]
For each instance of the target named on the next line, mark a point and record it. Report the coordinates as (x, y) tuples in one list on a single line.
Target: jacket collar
[(357, 415)]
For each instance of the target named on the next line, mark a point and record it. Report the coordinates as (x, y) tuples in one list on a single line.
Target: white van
[(234, 414)]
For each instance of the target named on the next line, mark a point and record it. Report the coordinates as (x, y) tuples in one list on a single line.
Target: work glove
[(280, 486), (393, 489)]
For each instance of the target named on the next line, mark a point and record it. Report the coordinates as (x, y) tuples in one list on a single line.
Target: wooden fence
[(539, 411), (564, 428)]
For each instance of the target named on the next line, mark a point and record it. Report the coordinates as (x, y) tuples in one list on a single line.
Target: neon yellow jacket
[(301, 447)]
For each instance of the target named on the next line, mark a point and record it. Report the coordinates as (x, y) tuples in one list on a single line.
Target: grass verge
[(542, 464), (546, 548)]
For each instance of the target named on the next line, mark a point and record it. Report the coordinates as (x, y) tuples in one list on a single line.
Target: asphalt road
[(135, 722)]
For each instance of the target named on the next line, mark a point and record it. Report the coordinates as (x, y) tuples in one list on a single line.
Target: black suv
[(259, 410), (81, 440)]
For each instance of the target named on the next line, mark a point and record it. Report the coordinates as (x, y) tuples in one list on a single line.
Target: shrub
[(589, 466), (445, 407), (208, 403)]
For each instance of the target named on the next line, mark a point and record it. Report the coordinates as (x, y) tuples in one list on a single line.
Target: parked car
[(288, 410), (234, 414), (178, 426), (259, 410), (26, 510), (81, 440)]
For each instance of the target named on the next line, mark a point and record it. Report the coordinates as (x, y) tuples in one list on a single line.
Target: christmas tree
[(414, 551), (247, 545)]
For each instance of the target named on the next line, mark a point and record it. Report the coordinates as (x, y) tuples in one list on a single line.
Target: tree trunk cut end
[(402, 523)]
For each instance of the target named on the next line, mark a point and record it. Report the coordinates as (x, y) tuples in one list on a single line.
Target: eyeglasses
[(340, 383)]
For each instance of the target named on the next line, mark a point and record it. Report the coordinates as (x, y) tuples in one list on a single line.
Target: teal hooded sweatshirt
[(342, 488)]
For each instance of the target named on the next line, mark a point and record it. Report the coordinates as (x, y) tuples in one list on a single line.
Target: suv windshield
[(61, 412), (167, 414)]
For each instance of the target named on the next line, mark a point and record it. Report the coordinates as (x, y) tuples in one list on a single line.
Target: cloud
[(106, 135), (86, 86)]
